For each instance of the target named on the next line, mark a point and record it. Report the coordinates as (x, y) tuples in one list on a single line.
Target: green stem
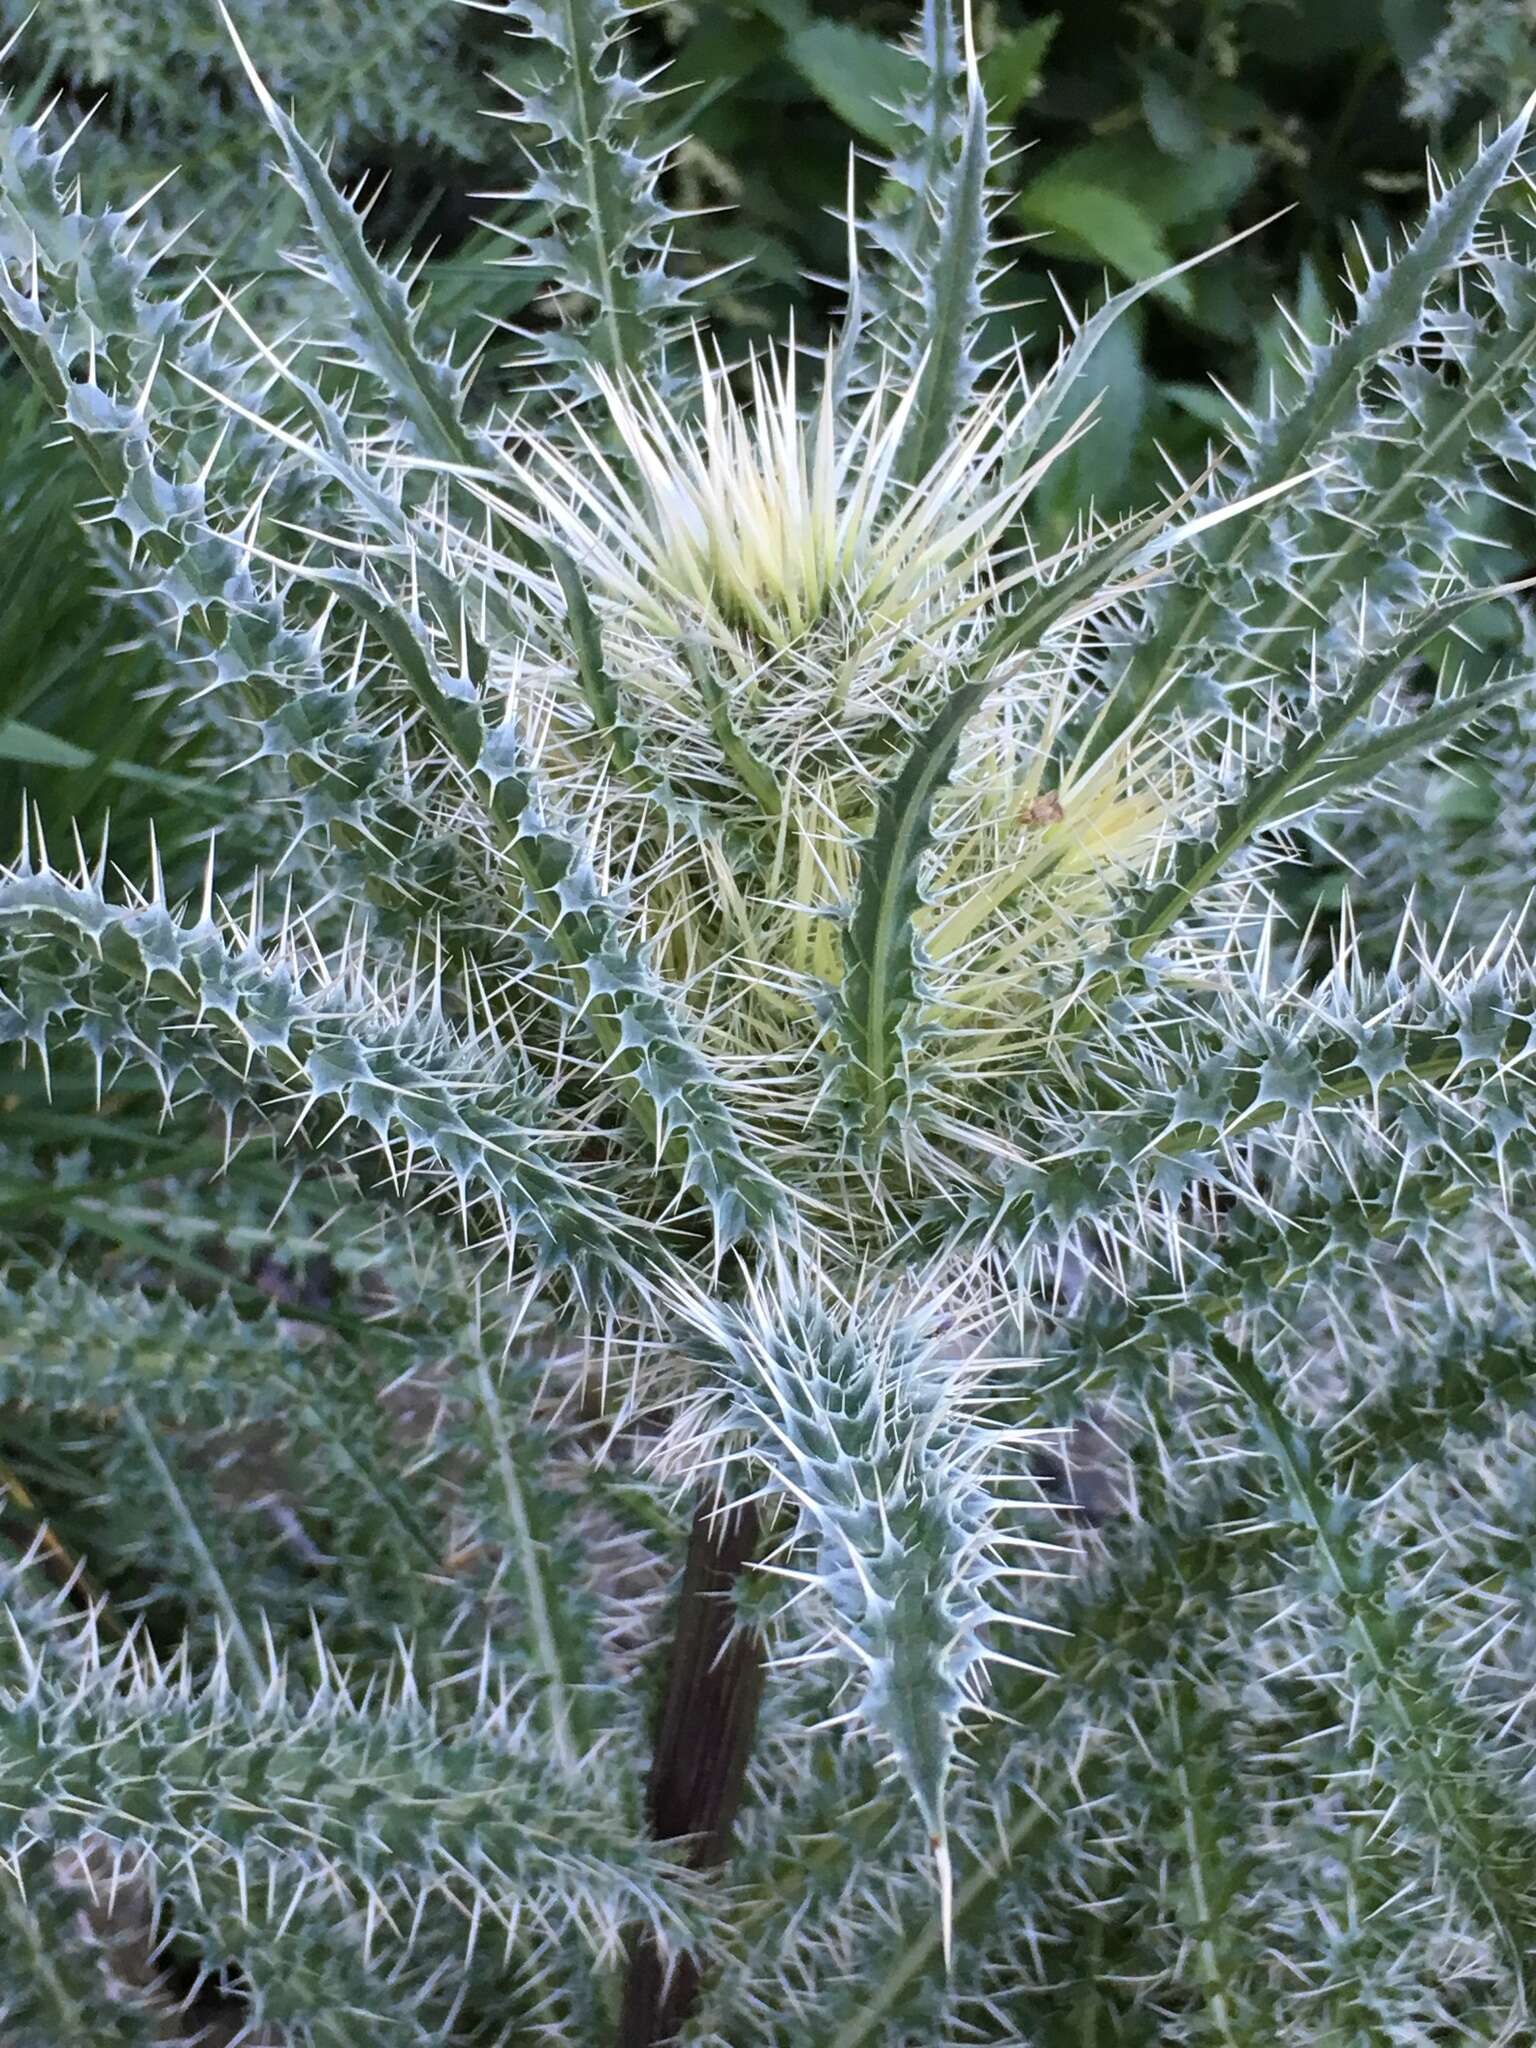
[(192, 1536), (530, 1575)]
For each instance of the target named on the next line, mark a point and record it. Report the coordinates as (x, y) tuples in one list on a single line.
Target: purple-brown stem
[(703, 1741)]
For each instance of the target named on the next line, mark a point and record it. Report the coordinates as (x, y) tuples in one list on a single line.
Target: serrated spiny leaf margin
[(573, 924), (1429, 1067), (346, 764), (603, 234), (923, 298), (1429, 1743), (855, 1422), (309, 1786), (1251, 562), (247, 1020)]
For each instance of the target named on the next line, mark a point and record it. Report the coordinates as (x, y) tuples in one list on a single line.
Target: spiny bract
[(763, 988)]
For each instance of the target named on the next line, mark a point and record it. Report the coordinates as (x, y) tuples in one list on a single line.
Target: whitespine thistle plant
[(917, 1425)]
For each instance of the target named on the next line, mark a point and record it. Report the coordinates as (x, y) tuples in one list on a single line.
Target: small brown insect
[(1045, 810)]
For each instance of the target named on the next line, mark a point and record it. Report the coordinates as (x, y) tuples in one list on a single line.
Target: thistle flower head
[(781, 620), (761, 527)]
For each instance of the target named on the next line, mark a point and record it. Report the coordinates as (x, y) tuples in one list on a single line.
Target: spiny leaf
[(882, 961), (1388, 310), (882, 970), (1488, 1845), (190, 998), (430, 396), (954, 301), (571, 921), (606, 235), (376, 1804), (1310, 764), (892, 1543)]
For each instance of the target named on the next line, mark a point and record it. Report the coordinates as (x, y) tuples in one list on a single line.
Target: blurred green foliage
[(1146, 134), (86, 724)]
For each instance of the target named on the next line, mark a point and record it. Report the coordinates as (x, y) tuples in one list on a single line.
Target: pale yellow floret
[(1020, 881)]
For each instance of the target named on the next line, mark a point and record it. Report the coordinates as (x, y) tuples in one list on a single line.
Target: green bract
[(764, 989)]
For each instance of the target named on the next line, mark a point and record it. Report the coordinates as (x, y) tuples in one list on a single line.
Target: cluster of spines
[(894, 1502), (1240, 607), (381, 73), (1341, 719), (176, 1392), (249, 1022), (925, 301), (572, 923), (1409, 1089), (1209, 1823), (405, 1496), (1461, 827), (264, 688), (61, 1967), (350, 771), (274, 1792)]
